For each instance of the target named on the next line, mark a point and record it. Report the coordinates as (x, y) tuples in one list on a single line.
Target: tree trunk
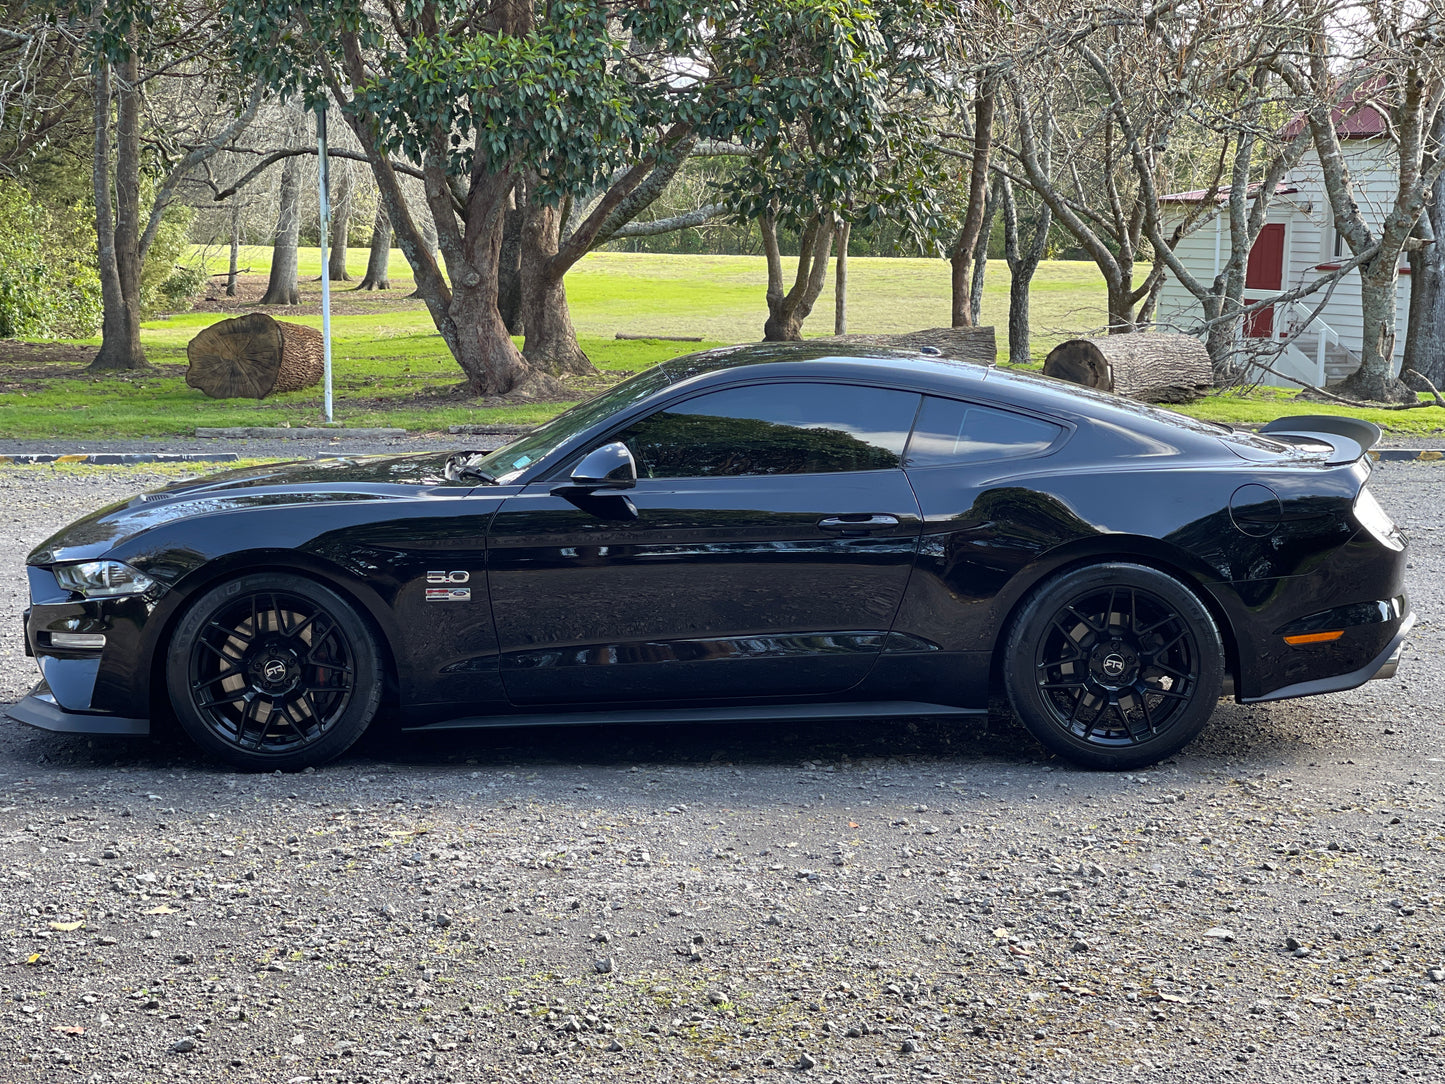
[(980, 254), (840, 282), (118, 238), (378, 277), (961, 257), (1425, 334), (234, 266), (464, 311), (509, 283), (1372, 380), (551, 342), (281, 286), (786, 312), (1121, 303), (340, 224)]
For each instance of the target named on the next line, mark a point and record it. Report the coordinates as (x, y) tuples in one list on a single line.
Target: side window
[(952, 432), (774, 429)]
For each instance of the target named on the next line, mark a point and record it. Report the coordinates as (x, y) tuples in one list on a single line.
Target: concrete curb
[(1407, 455), (116, 459), (245, 432)]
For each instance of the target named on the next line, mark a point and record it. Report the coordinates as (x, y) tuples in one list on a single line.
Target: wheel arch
[(368, 605), (1188, 571)]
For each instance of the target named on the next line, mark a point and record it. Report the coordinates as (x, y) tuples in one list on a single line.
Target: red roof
[(1221, 195), (1354, 116)]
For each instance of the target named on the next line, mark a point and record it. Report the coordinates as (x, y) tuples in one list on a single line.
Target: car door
[(773, 537)]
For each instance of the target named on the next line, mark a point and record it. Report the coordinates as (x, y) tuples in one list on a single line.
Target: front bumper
[(40, 709)]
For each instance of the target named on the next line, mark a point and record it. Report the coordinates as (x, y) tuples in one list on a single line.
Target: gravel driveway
[(877, 902)]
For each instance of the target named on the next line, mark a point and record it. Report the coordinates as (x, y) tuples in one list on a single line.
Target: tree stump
[(1155, 368), (958, 343), (252, 356)]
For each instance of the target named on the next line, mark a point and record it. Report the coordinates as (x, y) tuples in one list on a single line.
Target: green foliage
[(858, 85), (590, 85), (48, 284), (165, 285)]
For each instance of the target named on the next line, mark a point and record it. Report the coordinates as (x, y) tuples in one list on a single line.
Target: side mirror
[(608, 467)]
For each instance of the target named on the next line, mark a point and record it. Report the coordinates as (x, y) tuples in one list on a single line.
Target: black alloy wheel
[(1114, 666), (274, 671)]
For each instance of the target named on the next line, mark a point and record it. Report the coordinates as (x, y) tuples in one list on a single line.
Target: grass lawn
[(391, 368)]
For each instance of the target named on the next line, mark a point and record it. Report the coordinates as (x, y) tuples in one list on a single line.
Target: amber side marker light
[(1315, 637)]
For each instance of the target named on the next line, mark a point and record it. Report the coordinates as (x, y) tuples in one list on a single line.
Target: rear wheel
[(273, 671), (1113, 666)]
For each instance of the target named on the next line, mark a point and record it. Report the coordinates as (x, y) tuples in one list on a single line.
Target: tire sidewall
[(1033, 620), (366, 661)]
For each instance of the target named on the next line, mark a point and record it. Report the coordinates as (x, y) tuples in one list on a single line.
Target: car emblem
[(274, 670), (1113, 665), (442, 576), (449, 594)]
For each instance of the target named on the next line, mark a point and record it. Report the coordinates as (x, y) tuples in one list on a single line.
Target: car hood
[(359, 478)]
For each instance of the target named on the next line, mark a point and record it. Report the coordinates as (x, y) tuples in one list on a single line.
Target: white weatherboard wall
[(1309, 247)]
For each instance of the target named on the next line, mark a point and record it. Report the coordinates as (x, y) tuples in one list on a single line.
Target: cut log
[(252, 356), (1154, 368), (958, 343)]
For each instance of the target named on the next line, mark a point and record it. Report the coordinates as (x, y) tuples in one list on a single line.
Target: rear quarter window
[(949, 431)]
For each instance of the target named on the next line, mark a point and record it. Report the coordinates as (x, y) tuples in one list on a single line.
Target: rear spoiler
[(1350, 438)]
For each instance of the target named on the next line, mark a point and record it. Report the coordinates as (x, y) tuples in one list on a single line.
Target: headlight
[(1373, 518), (102, 579)]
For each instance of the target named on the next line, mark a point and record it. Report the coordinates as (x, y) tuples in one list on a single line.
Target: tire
[(1113, 666), (273, 671)]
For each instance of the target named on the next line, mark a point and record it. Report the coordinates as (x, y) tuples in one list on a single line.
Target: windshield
[(511, 459)]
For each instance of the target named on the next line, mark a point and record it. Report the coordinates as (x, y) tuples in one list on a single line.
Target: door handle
[(857, 524)]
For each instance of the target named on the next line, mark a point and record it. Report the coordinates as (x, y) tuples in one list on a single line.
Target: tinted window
[(511, 459), (774, 429), (954, 432)]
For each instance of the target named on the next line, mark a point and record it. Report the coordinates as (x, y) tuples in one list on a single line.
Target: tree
[(1059, 45), (1205, 87), (378, 276), (1393, 60), (341, 200), (281, 286), (861, 155), (566, 99), (132, 44), (1425, 337)]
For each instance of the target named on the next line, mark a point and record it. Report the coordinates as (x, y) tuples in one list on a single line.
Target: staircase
[(1340, 361)]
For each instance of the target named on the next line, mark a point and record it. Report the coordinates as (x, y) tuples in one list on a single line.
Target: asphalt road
[(872, 902)]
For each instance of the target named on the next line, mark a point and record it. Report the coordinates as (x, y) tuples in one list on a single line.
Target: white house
[(1298, 245)]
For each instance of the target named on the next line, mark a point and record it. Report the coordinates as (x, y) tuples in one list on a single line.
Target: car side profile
[(764, 532)]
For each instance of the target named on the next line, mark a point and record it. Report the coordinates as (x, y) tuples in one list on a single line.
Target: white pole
[(323, 185)]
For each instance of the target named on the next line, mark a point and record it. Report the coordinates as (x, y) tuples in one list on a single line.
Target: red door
[(1265, 273)]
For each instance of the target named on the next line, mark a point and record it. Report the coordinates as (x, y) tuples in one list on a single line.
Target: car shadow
[(738, 743), (1238, 734), (27, 753)]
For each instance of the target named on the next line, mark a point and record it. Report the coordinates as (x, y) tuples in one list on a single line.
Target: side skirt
[(762, 713)]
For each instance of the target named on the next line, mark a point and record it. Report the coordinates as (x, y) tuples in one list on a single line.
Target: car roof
[(939, 375)]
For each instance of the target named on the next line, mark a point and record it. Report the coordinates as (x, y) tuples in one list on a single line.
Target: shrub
[(48, 284)]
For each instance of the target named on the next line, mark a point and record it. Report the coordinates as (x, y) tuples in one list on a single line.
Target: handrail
[(1325, 333)]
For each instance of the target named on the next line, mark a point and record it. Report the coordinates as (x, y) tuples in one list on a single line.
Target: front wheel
[(1113, 666), (273, 671)]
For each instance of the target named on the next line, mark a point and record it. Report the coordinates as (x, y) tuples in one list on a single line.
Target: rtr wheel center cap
[(1113, 664), (273, 672)]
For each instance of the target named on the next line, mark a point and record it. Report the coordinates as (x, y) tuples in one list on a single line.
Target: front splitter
[(39, 709)]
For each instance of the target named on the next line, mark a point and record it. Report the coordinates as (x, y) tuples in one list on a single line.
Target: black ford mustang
[(757, 532)]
